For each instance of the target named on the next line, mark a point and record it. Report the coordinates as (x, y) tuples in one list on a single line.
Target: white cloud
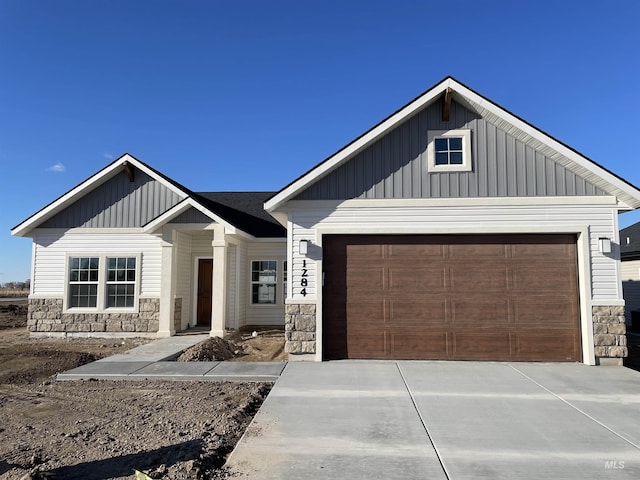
[(58, 167), (108, 156)]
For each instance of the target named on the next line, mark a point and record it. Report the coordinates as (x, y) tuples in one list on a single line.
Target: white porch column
[(167, 285), (219, 287)]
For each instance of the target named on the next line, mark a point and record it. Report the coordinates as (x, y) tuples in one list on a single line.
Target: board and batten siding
[(361, 219), (51, 249), (396, 166), (184, 276), (266, 314), (631, 286), (117, 203)]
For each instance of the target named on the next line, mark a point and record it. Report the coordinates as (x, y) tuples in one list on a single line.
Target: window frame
[(102, 297), (277, 283), (465, 135), (79, 282), (125, 282)]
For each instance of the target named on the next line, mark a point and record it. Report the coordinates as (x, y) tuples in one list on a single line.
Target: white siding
[(243, 283), (309, 223), (631, 286), (51, 250), (265, 314), (232, 287), (184, 275)]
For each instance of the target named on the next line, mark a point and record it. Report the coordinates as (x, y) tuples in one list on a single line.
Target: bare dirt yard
[(105, 429)]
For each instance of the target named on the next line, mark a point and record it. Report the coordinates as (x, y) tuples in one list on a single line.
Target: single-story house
[(453, 229), (630, 271)]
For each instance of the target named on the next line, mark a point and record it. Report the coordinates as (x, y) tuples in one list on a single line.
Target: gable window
[(264, 278), (83, 281), (121, 281), (449, 151)]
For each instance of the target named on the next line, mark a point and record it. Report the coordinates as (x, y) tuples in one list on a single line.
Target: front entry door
[(205, 268)]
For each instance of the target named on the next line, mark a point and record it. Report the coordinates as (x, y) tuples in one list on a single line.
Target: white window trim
[(466, 150), (101, 304), (278, 283)]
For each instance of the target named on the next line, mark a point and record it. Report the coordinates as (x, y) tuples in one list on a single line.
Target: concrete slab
[(269, 369), (487, 420), (609, 395), (337, 420), (102, 370), (159, 350), (173, 370)]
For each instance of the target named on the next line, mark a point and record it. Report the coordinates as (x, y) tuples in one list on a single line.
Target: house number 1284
[(304, 281)]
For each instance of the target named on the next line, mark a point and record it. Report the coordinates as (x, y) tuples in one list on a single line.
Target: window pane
[(442, 158), (112, 263), (93, 275), (456, 158), (131, 263), (263, 293), (441, 145), (131, 276), (84, 276), (455, 143), (84, 263)]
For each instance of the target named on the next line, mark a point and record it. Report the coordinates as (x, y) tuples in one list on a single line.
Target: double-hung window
[(121, 281), (449, 151), (83, 282), (102, 282), (264, 279)]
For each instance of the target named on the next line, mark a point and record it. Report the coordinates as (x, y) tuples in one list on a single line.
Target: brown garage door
[(459, 297)]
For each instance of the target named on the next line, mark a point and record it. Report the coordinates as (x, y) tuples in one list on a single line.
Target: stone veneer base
[(609, 334), (46, 316), (300, 329)]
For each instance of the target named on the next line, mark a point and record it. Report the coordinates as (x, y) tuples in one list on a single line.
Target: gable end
[(395, 166), (117, 203)]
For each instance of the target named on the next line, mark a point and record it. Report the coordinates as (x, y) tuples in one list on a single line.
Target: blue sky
[(247, 95)]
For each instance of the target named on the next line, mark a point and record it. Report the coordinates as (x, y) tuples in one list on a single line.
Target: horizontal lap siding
[(51, 250), (265, 314), (481, 219), (184, 275)]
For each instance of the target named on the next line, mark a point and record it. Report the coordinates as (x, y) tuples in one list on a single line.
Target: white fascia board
[(84, 188), (542, 137), (183, 206), (355, 147), (608, 200)]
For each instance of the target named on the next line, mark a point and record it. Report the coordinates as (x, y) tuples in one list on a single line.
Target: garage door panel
[(417, 280), (561, 346), (366, 279), (411, 252), (477, 252), (368, 344), (473, 312), (553, 312), (546, 278), (490, 279), (410, 346), (418, 313), (481, 345), (493, 297), (543, 250)]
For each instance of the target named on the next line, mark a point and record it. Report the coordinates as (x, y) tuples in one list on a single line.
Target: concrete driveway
[(445, 420)]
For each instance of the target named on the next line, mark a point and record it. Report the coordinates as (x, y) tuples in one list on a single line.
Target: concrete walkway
[(445, 420), (153, 362)]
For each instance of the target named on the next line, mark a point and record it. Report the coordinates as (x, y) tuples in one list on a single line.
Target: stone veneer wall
[(300, 328), (45, 315), (609, 332)]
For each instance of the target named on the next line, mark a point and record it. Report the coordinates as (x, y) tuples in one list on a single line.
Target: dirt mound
[(211, 350)]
